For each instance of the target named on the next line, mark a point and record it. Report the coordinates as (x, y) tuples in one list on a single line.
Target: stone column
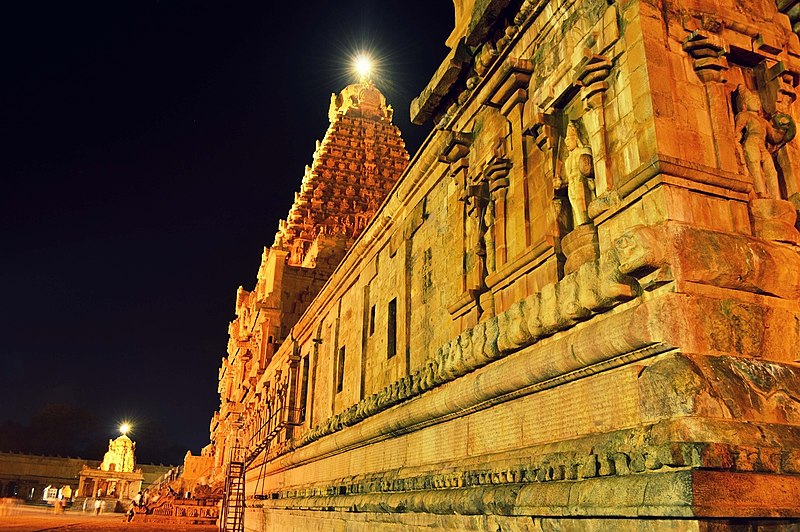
[(592, 80), (709, 63)]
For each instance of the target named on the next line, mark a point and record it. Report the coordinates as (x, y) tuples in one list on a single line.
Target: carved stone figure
[(577, 175), (760, 139), (476, 198)]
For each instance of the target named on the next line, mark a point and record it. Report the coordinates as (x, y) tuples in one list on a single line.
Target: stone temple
[(576, 308)]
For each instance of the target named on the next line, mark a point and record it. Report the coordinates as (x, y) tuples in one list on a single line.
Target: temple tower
[(354, 166), (117, 478)]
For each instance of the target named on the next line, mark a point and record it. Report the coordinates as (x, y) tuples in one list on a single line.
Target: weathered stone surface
[(775, 220), (582, 299)]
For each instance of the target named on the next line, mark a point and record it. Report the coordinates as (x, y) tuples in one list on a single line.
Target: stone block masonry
[(578, 306)]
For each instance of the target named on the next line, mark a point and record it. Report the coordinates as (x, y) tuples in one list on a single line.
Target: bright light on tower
[(363, 66), (124, 428)]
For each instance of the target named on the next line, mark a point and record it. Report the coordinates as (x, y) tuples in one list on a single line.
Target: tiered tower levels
[(355, 165)]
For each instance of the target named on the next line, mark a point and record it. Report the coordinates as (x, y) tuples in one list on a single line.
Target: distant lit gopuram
[(576, 308), (117, 478)]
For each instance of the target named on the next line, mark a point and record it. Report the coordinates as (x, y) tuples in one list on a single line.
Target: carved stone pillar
[(476, 197), (592, 80), (497, 176), (508, 94), (710, 64), (456, 149)]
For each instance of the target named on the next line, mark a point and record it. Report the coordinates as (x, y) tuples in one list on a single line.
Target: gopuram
[(577, 308), (117, 478)]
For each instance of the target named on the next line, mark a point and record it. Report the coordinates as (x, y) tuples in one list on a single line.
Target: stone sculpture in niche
[(761, 138), (577, 176), (476, 197), (495, 174)]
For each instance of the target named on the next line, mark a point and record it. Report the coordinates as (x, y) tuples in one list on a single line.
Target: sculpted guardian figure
[(760, 139), (577, 176)]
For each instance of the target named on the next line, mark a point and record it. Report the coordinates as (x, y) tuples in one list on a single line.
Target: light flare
[(363, 66)]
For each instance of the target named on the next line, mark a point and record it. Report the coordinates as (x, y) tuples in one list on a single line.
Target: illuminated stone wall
[(354, 166), (579, 306)]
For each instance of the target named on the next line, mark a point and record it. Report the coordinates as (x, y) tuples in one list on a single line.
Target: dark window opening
[(340, 370), (304, 390), (391, 339), (372, 320)]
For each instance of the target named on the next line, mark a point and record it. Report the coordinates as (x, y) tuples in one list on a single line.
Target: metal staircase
[(231, 518)]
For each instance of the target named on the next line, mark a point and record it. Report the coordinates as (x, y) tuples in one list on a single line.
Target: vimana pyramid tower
[(578, 308), (355, 165)]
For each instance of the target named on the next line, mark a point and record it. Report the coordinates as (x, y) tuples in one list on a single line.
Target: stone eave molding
[(432, 98)]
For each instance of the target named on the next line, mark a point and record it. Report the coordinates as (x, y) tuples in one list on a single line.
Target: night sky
[(149, 149)]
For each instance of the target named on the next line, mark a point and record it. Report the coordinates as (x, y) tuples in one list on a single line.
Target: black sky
[(149, 149)]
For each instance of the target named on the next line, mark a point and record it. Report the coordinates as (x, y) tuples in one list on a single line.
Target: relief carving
[(577, 176), (761, 138), (476, 198), (763, 135)]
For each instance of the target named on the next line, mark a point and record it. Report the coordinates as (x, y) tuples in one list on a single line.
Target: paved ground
[(36, 519)]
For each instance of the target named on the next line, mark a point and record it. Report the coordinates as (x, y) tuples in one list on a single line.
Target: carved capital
[(592, 78), (543, 130), (456, 147), (708, 55), (510, 86), (784, 82)]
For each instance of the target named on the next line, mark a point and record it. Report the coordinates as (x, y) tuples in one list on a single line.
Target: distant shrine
[(117, 477)]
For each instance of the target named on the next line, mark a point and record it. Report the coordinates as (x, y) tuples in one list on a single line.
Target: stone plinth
[(579, 246)]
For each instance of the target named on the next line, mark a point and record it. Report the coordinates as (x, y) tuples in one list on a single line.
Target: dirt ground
[(34, 519)]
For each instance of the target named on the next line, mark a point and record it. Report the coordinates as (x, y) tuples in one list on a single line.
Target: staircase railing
[(232, 516)]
